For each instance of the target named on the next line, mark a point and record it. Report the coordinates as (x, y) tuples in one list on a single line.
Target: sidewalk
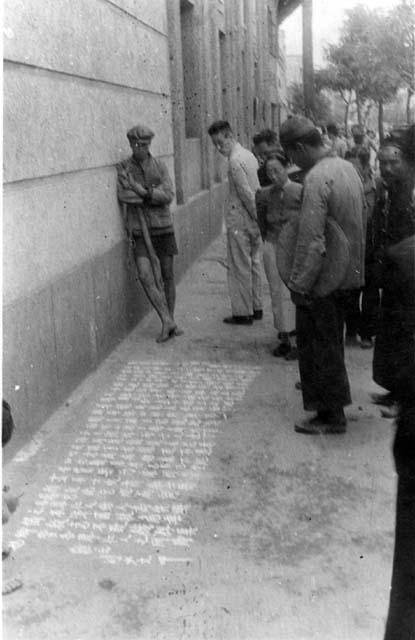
[(171, 499)]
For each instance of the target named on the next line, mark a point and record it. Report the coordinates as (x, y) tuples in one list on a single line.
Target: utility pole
[(308, 68)]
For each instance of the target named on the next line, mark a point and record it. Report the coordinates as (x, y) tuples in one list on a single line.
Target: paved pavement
[(171, 499)]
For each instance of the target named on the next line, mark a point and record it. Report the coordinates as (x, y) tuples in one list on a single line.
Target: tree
[(400, 44), (322, 105), (335, 79), (361, 65)]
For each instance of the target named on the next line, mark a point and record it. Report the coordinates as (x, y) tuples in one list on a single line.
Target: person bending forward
[(332, 189)]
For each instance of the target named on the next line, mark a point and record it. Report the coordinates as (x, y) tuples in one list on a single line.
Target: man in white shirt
[(243, 235)]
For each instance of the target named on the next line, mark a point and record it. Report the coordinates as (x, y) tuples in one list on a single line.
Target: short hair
[(266, 135), (277, 154), (333, 129), (312, 138), (219, 126)]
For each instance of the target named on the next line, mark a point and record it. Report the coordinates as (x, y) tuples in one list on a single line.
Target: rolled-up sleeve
[(311, 241), (245, 192)]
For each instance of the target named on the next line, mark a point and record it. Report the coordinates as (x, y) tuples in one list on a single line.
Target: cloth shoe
[(324, 423), (366, 343)]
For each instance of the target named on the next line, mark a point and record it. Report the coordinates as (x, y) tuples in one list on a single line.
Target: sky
[(328, 16)]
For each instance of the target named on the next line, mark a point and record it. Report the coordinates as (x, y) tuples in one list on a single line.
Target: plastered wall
[(77, 76)]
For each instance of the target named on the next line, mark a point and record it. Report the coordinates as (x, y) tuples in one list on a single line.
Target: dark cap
[(403, 138), (140, 132), (294, 129)]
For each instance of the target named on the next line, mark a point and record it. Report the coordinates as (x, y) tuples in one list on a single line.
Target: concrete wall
[(77, 76), (69, 293)]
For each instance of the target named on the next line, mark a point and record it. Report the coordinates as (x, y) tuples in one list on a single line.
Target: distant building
[(77, 75), (294, 69)]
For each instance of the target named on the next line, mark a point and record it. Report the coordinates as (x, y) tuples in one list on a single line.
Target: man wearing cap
[(144, 184), (332, 198), (243, 235)]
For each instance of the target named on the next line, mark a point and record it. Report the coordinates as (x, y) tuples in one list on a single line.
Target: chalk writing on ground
[(120, 492)]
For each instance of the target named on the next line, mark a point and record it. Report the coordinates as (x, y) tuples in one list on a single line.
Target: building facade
[(77, 75)]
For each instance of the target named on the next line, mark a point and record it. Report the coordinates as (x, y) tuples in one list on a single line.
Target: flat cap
[(140, 132), (295, 128)]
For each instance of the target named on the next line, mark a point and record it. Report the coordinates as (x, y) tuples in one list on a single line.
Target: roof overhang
[(286, 7)]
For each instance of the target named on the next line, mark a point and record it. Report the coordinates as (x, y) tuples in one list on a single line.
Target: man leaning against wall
[(146, 191)]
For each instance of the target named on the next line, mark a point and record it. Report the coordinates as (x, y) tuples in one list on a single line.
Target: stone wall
[(77, 75), (75, 80)]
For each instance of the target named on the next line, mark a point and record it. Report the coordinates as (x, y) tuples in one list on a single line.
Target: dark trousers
[(370, 310), (320, 344), (361, 313), (395, 339), (401, 617), (352, 312)]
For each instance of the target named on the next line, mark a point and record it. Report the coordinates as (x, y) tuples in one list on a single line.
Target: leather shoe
[(292, 354), (282, 350), (324, 423), (258, 313), (238, 320)]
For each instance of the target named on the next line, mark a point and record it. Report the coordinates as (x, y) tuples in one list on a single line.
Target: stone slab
[(75, 37), (74, 124)]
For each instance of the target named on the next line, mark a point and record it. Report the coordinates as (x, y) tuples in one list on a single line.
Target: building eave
[(286, 7)]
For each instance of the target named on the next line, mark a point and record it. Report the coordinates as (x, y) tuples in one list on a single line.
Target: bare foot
[(389, 412), (167, 332), (178, 332)]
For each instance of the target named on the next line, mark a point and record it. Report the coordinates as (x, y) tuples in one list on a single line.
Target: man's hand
[(300, 299)]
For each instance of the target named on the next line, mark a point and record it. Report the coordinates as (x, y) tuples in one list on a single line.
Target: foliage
[(399, 43), (322, 104), (373, 59)]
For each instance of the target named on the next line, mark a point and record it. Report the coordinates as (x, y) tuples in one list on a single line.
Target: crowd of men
[(337, 243)]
